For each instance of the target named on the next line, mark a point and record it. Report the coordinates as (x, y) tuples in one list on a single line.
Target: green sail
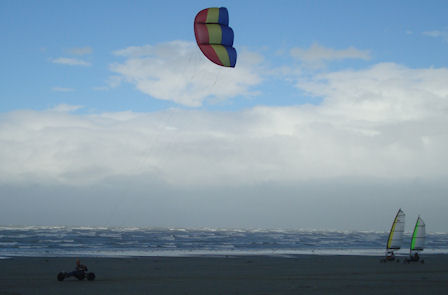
[(418, 236)]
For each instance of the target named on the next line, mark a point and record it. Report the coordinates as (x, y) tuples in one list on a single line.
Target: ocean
[(61, 241)]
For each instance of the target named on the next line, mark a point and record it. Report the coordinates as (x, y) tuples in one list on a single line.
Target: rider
[(390, 256), (79, 269)]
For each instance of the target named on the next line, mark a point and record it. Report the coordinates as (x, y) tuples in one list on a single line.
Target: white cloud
[(437, 34), (385, 93), (70, 61), (62, 89), (65, 108), (100, 88), (317, 55), (387, 121), (111, 82), (114, 81), (178, 72), (81, 50)]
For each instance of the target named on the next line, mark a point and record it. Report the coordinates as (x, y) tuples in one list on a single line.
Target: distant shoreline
[(182, 253)]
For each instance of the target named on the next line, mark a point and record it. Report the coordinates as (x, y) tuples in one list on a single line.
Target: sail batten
[(396, 232)]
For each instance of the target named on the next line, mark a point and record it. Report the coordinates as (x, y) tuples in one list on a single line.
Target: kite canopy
[(214, 36)]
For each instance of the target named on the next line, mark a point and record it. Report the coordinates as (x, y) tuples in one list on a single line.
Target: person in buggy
[(390, 256), (80, 269), (414, 258)]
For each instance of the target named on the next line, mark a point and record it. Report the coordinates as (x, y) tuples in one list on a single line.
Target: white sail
[(396, 232), (418, 236)]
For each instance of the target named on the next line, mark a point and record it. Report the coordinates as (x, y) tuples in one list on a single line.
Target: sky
[(334, 117)]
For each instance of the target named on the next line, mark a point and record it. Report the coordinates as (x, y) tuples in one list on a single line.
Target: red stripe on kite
[(210, 53), (201, 34), (201, 17)]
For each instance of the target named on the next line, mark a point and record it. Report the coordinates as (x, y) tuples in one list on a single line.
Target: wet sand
[(302, 274)]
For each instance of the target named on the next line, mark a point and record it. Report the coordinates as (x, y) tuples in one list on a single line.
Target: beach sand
[(301, 274)]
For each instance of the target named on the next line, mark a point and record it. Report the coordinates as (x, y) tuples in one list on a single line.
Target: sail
[(396, 232), (418, 236)]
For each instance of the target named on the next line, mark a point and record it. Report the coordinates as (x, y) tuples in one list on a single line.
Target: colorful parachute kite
[(214, 36)]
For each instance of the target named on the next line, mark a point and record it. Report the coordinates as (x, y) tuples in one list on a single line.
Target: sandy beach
[(302, 274)]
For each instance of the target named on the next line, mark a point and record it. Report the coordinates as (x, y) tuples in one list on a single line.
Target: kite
[(214, 36)]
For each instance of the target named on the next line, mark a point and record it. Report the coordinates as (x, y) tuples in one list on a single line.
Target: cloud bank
[(387, 121), (377, 142)]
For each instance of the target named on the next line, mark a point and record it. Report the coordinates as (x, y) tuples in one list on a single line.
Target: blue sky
[(343, 103), (36, 33)]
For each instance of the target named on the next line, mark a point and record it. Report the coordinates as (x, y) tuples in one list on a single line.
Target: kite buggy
[(80, 273), (417, 242), (395, 237)]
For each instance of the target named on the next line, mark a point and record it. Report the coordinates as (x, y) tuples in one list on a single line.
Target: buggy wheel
[(61, 276), (91, 276)]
